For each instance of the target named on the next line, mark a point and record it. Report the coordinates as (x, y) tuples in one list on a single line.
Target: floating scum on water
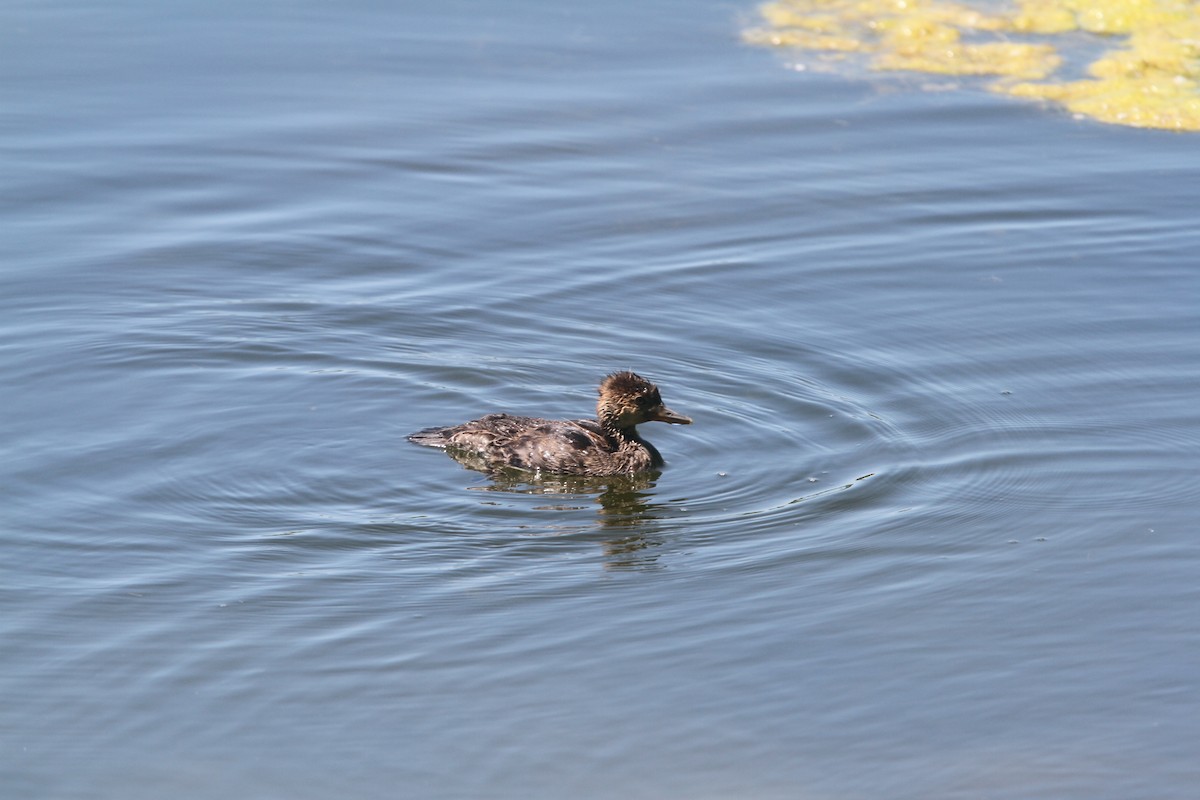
[(1146, 76)]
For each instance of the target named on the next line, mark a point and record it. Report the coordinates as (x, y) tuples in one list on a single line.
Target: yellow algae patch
[(1149, 76), (1127, 16), (1044, 16), (939, 48)]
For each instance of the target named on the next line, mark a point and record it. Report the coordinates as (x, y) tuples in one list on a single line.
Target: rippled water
[(931, 534)]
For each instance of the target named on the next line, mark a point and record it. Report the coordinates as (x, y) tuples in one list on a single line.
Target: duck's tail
[(430, 437)]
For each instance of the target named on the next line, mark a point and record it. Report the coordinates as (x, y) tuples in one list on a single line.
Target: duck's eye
[(649, 401)]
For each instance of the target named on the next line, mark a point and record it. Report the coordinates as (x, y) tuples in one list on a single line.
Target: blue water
[(930, 536)]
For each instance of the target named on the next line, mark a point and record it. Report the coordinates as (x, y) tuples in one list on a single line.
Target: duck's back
[(578, 447), (479, 434)]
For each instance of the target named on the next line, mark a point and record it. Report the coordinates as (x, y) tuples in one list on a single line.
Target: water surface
[(929, 536)]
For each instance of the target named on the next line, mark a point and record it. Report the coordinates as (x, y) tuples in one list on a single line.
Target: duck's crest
[(623, 383)]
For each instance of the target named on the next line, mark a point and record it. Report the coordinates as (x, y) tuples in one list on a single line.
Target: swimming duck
[(607, 445)]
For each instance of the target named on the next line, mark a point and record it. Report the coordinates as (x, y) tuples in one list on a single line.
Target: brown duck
[(607, 445)]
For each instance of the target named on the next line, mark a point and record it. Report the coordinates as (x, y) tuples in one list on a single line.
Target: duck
[(607, 445)]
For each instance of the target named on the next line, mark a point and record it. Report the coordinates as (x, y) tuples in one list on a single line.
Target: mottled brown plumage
[(607, 445)]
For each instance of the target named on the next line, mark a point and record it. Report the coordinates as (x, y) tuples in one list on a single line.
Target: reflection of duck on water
[(625, 500), (607, 445), (628, 515)]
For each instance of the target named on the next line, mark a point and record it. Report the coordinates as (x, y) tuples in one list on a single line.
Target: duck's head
[(627, 399)]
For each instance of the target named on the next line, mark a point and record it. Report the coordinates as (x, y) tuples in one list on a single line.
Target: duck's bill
[(665, 414)]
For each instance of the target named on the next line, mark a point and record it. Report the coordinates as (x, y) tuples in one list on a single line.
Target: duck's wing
[(552, 446), (478, 435)]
